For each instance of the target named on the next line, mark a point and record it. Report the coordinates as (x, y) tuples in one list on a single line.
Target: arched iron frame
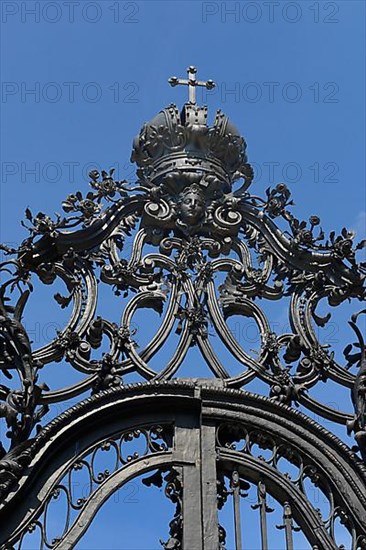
[(195, 414)]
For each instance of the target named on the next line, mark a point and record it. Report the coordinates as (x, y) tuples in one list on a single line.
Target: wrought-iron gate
[(190, 243)]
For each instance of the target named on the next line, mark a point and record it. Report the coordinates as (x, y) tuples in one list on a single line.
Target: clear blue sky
[(99, 70)]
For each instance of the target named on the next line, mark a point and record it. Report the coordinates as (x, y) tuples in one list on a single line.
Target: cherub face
[(191, 208)]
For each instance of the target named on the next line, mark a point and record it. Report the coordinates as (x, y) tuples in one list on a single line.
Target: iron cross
[(191, 82)]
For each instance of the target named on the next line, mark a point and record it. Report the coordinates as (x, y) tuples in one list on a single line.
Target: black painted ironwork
[(189, 241)]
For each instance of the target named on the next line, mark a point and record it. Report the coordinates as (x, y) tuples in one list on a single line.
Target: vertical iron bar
[(187, 441), (210, 523), (287, 521), (235, 485), (261, 504), (263, 510)]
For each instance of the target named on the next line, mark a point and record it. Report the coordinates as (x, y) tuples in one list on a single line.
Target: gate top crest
[(192, 83), (203, 249)]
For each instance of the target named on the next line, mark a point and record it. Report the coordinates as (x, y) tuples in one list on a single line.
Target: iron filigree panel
[(189, 241)]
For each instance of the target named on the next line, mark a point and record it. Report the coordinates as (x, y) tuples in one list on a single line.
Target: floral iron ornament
[(189, 241)]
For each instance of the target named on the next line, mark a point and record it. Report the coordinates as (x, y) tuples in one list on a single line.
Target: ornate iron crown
[(183, 146)]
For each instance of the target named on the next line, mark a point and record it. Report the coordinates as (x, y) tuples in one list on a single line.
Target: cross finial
[(191, 82)]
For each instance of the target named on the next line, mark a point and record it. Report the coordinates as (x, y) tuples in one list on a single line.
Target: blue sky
[(290, 75)]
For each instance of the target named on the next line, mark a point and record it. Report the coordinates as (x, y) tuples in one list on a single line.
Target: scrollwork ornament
[(358, 424), (193, 246)]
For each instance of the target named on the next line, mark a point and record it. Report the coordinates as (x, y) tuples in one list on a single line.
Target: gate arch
[(192, 421)]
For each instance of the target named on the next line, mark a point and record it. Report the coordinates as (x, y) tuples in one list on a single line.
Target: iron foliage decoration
[(201, 248)]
